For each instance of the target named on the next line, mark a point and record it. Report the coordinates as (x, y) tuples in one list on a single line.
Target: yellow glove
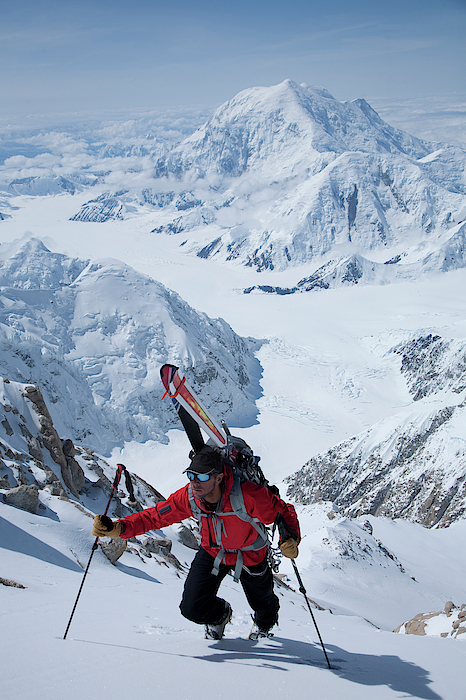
[(289, 548), (104, 527)]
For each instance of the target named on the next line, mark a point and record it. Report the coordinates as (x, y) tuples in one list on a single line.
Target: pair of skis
[(191, 412)]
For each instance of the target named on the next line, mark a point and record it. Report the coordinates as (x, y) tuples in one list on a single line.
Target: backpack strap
[(239, 509)]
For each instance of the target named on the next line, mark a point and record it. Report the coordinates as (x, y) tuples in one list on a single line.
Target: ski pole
[(120, 468), (303, 591)]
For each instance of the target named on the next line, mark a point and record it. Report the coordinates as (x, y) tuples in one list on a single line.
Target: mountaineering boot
[(216, 631), (258, 632)]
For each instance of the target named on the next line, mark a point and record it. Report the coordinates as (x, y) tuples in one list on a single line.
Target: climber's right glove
[(105, 527)]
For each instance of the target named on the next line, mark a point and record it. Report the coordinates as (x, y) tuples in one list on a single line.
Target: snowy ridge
[(278, 177), (357, 269), (51, 184), (412, 466), (295, 174), (93, 337)]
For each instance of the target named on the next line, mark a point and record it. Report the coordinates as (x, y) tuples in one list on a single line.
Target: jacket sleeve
[(262, 504), (175, 509)]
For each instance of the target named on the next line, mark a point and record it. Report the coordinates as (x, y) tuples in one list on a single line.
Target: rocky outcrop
[(9, 582), (162, 548), (113, 549), (24, 497), (75, 471), (409, 469), (188, 538), (431, 364), (450, 622), (28, 482), (157, 545), (71, 472)]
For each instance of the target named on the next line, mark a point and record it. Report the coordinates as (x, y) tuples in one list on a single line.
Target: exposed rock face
[(403, 477), (32, 443), (156, 545), (72, 474), (161, 547), (188, 538), (24, 497), (411, 466), (77, 474), (450, 622), (432, 363), (9, 582), (113, 549), (26, 478)]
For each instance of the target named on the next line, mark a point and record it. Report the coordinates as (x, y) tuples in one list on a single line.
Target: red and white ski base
[(181, 393)]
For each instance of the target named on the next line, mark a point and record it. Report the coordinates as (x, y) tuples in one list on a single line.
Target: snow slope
[(345, 379), (127, 634)]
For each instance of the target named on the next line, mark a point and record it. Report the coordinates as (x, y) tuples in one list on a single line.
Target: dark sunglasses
[(200, 477)]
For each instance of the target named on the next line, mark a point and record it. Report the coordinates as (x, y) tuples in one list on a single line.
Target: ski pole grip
[(282, 530)]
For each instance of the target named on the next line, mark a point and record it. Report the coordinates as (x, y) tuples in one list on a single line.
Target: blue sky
[(144, 55)]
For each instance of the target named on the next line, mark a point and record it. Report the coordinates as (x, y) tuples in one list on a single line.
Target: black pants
[(201, 604)]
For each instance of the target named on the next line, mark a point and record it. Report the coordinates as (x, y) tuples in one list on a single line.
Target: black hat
[(205, 461)]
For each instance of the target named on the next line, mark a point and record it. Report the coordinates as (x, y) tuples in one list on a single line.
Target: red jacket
[(259, 501)]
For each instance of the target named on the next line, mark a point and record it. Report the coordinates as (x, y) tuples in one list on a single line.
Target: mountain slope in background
[(130, 610), (412, 465), (287, 175), (93, 336), (277, 177)]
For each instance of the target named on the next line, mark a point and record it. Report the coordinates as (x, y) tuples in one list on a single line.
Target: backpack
[(241, 458)]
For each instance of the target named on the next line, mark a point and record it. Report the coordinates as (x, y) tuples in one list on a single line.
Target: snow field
[(127, 634)]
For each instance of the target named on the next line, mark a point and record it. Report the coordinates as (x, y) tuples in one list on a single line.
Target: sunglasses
[(200, 477)]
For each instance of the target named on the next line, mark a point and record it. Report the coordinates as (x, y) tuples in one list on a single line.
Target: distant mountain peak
[(294, 174)]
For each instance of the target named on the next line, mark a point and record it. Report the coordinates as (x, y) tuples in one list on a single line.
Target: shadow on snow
[(277, 653), (365, 669), (17, 540)]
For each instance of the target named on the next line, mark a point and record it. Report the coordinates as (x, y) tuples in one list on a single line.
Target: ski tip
[(166, 374)]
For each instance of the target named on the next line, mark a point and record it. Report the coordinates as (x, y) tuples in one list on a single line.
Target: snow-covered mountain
[(368, 383), (93, 335), (278, 177), (348, 270), (288, 174), (412, 466)]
